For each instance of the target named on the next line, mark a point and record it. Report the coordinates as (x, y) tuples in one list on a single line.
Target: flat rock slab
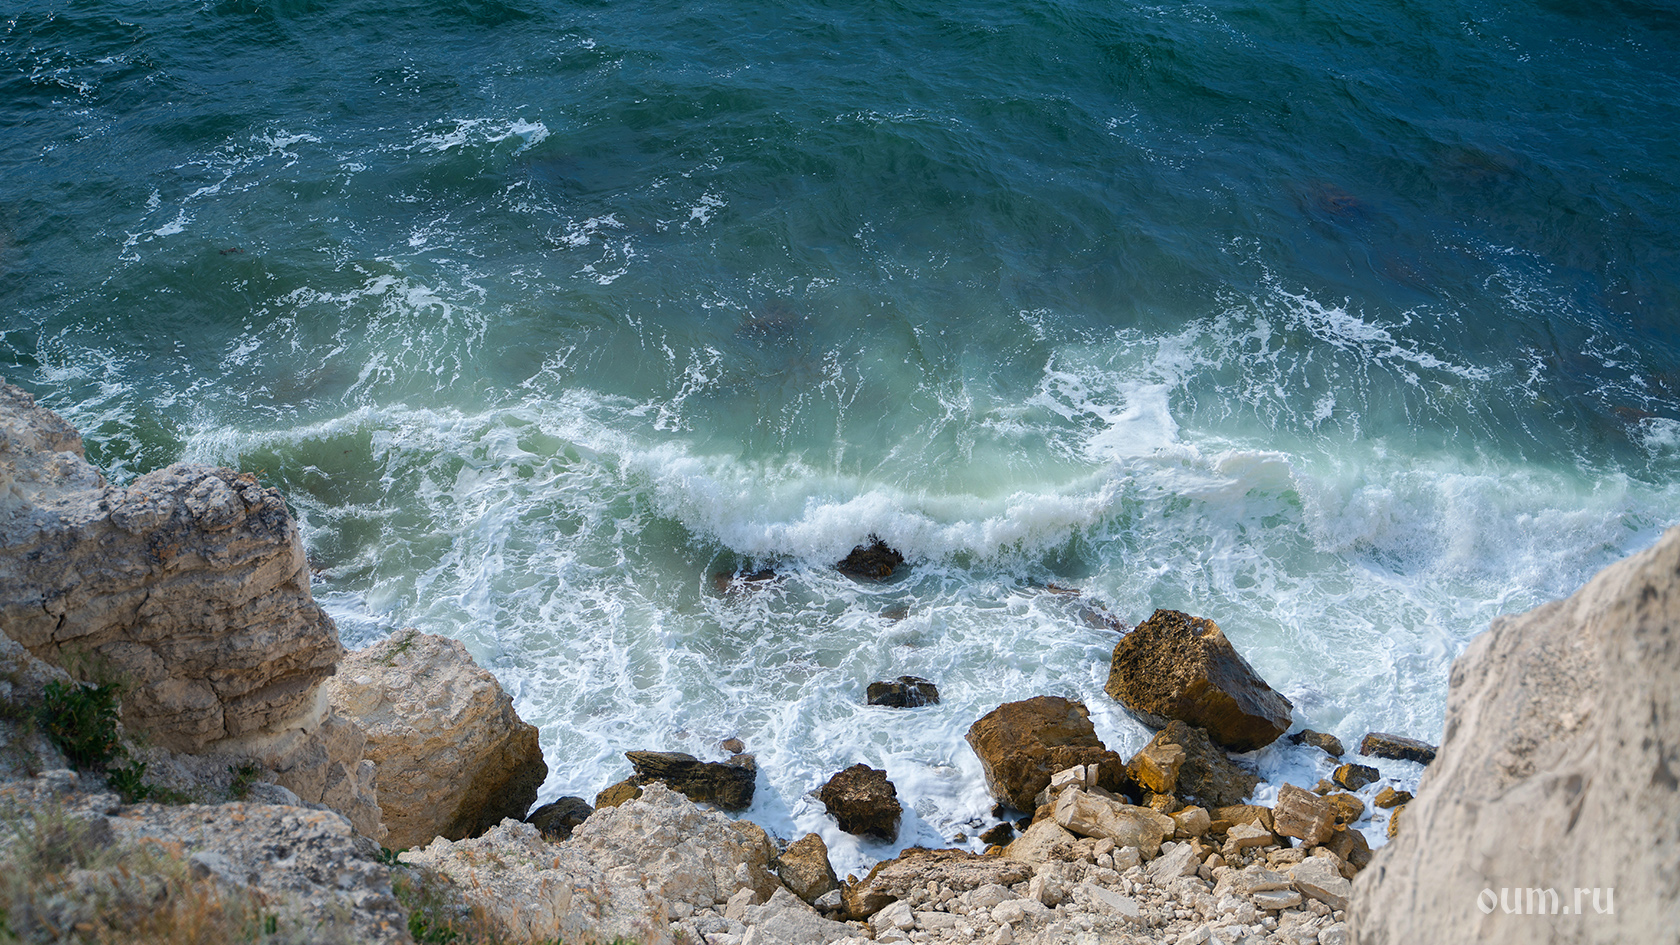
[(1175, 666), (1397, 747), (958, 870)]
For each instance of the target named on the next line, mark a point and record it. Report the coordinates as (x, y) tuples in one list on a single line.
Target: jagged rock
[(1224, 818), (804, 868), (1559, 768), (1302, 814), (455, 758), (1208, 777), (1192, 822), (311, 859), (191, 582), (324, 762), (905, 692), (1171, 864), (729, 786), (1156, 766), (557, 820), (1389, 797), (784, 918), (1319, 878), (957, 870), (1350, 845), (1324, 788), (863, 802), (617, 794), (1398, 747), (1330, 744), (1042, 842), (1353, 777), (874, 560), (1175, 666), (1393, 828), (1021, 744), (1090, 815), (1000, 835), (1345, 808)]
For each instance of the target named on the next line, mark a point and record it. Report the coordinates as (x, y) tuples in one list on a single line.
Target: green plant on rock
[(81, 720), (244, 774)]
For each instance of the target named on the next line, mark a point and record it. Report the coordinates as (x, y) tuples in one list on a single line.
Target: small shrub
[(244, 774), (82, 722)]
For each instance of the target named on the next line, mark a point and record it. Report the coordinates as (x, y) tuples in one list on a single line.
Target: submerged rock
[(863, 802), (1330, 744), (1021, 744), (906, 692), (1559, 769), (1175, 666), (874, 560)]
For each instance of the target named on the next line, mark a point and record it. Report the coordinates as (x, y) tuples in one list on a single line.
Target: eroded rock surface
[(192, 580), (863, 802), (1175, 666), (1021, 744), (455, 758), (1559, 769)]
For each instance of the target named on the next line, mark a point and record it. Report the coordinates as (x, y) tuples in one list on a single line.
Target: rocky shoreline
[(260, 771)]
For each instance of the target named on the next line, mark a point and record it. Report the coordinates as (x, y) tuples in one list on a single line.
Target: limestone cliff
[(1557, 781)]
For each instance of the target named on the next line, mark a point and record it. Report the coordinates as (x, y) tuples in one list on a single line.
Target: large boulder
[(1021, 744), (454, 758), (863, 802), (191, 583), (804, 868), (1558, 773), (729, 786), (1206, 776), (1175, 666)]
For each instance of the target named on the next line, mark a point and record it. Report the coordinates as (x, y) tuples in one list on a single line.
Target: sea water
[(1349, 326)]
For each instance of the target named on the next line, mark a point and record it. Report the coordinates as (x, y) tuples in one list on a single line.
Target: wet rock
[(905, 692), (454, 758), (1353, 777), (617, 794), (863, 802), (1021, 744), (804, 868), (1000, 835), (1345, 808), (957, 870), (1303, 814), (1208, 777), (873, 560), (734, 746), (1330, 744), (1175, 666), (1389, 797), (729, 786), (1398, 747), (558, 819)]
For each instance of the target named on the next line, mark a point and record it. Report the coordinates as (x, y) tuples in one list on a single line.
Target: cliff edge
[(1552, 813)]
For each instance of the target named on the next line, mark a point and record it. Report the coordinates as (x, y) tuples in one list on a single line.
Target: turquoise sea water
[(1350, 326)]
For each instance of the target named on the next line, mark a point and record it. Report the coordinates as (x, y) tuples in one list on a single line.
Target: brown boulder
[(557, 820), (804, 868), (614, 795), (905, 692), (1329, 744), (1350, 845), (729, 786), (1303, 814), (1208, 777), (1021, 744), (1175, 666), (1389, 797), (863, 802), (1353, 777), (1155, 767), (1398, 747), (957, 870), (1346, 808)]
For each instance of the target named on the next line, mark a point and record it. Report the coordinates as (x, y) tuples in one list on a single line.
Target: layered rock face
[(461, 759), (192, 580), (1557, 781), (1175, 666)]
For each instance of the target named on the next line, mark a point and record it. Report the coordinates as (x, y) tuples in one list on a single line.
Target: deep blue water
[(1351, 328)]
